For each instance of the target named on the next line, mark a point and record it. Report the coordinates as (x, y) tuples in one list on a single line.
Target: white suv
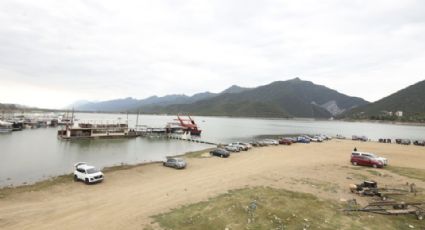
[(87, 173)]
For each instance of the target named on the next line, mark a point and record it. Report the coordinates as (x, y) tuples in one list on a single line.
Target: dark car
[(405, 142), (220, 153), (402, 141), (258, 144), (285, 141), (366, 161), (359, 138), (177, 163), (420, 143)]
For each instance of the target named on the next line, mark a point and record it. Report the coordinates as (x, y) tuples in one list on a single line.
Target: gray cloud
[(63, 51)]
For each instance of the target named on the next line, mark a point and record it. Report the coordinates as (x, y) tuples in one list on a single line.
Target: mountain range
[(12, 107), (291, 98), (131, 104)]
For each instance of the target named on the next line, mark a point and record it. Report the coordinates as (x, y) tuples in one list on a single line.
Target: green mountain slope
[(292, 98), (411, 101)]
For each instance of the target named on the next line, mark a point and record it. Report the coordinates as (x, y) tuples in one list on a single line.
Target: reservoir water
[(32, 155)]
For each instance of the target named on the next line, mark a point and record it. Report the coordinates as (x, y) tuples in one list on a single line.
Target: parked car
[(238, 145), (258, 144), (220, 153), (231, 148), (384, 140), (317, 139), (87, 173), (418, 142), (302, 139), (402, 141), (285, 141), (292, 139), (271, 142), (255, 143), (325, 137), (405, 142), (359, 138), (248, 145), (366, 161), (177, 163), (371, 155)]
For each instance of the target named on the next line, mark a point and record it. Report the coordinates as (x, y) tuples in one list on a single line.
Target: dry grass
[(414, 173), (275, 209)]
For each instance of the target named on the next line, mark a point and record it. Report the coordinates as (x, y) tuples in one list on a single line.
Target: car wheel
[(87, 181), (75, 178), (221, 156), (163, 163), (375, 166), (354, 163)]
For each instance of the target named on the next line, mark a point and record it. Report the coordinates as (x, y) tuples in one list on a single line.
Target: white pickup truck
[(87, 173)]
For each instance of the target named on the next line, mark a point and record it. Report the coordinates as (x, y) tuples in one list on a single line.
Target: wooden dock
[(196, 140), (150, 132)]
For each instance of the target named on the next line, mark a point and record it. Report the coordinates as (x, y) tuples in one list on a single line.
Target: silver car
[(231, 148), (177, 163), (271, 142)]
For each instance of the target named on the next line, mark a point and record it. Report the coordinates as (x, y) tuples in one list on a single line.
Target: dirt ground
[(127, 198)]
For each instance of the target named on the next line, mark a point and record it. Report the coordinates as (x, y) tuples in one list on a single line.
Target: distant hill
[(13, 107), (410, 100), (292, 98), (132, 104), (235, 89)]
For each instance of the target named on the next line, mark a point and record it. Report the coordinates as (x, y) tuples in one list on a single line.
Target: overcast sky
[(53, 53)]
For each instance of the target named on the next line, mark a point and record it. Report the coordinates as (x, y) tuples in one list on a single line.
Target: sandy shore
[(127, 198)]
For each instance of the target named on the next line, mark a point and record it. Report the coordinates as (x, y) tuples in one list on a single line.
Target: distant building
[(399, 113)]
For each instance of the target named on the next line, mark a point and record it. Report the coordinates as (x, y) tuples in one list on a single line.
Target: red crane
[(188, 124)]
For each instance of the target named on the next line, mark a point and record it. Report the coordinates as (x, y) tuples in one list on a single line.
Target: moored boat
[(17, 126), (95, 131), (5, 127), (185, 124)]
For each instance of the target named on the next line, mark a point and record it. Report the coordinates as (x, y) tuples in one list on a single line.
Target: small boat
[(5, 127), (17, 126)]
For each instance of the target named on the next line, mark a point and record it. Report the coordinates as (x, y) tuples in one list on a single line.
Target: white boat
[(95, 131), (5, 127)]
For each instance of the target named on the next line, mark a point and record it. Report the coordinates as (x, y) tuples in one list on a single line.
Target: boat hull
[(97, 137)]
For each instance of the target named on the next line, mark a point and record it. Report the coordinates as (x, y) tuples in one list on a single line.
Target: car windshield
[(180, 160), (92, 170)]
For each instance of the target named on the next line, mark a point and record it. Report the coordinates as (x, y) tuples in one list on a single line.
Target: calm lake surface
[(36, 154)]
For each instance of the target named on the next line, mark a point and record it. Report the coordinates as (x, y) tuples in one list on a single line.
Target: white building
[(399, 113)]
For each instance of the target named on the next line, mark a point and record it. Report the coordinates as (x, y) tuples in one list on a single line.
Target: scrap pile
[(390, 208), (370, 188), (385, 206)]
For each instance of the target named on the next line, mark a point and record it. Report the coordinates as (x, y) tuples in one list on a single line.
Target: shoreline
[(242, 117), (64, 178), (384, 122)]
